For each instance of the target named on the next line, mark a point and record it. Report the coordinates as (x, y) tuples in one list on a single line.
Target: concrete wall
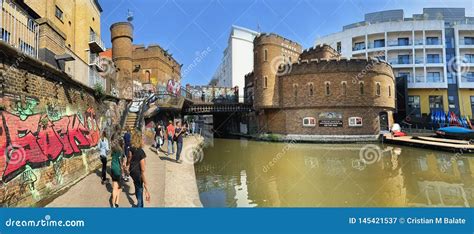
[(49, 129)]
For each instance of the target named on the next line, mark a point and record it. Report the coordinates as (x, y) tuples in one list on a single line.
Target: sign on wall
[(309, 122), (330, 119)]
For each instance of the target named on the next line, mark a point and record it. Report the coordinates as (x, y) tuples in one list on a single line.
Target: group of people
[(172, 134), (128, 160)]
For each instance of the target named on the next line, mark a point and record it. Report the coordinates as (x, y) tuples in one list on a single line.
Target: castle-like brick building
[(150, 65), (316, 94)]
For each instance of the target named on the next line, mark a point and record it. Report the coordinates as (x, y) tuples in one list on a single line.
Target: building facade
[(153, 67), (316, 95), (70, 29), (237, 60), (433, 50)]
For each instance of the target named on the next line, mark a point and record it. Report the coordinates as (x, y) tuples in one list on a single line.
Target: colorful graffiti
[(30, 139)]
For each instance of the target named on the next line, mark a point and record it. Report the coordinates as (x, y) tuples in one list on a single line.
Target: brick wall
[(49, 129)]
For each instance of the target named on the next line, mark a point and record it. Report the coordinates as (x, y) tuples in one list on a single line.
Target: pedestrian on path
[(180, 131), (104, 149), (170, 130), (158, 136), (137, 168), (126, 149), (116, 167)]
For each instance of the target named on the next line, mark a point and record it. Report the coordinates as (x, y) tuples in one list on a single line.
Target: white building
[(422, 48), (237, 60)]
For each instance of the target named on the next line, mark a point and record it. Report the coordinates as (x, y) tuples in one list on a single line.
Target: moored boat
[(455, 132)]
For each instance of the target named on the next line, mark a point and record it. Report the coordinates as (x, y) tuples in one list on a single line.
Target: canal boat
[(455, 132)]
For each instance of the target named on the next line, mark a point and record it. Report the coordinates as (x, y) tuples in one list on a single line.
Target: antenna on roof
[(258, 27), (129, 16)]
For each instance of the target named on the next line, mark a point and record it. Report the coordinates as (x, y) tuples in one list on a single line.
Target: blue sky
[(188, 27)]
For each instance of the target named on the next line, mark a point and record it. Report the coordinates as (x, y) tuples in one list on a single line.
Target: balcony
[(18, 28), (96, 44), (94, 61), (95, 78), (419, 60), (466, 43), (467, 80), (358, 47), (392, 43), (434, 60), (418, 82)]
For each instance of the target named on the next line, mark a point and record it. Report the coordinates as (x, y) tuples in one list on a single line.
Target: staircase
[(131, 120)]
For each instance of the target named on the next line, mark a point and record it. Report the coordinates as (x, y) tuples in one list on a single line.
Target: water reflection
[(241, 173)]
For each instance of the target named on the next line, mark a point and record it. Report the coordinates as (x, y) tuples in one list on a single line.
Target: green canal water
[(243, 173)]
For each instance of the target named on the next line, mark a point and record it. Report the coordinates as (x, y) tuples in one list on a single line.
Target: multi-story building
[(433, 50), (69, 36), (237, 60)]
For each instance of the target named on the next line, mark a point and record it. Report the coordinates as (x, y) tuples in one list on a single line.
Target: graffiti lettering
[(36, 140)]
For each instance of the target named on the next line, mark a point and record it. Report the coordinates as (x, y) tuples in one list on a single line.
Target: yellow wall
[(424, 98), (76, 23), (465, 101)]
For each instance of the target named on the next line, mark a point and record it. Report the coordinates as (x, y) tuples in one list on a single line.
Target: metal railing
[(18, 29), (466, 41), (94, 38), (95, 78)]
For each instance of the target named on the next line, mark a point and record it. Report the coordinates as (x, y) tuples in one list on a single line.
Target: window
[(59, 13), (361, 88), (265, 55), (327, 88), (359, 46), (147, 76), (468, 58), (451, 102), (344, 88), (433, 58), (468, 40), (265, 82), (377, 89), (436, 103), (309, 122), (472, 105), (389, 91), (379, 43), (295, 91), (404, 59), (414, 106), (355, 122), (432, 41), (451, 78), (310, 88), (468, 77), (434, 77), (338, 47), (404, 41)]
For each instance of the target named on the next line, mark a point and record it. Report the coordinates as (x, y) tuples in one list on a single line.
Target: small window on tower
[(265, 55), (59, 13), (265, 82)]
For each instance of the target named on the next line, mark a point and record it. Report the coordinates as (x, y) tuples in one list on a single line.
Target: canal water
[(244, 173)]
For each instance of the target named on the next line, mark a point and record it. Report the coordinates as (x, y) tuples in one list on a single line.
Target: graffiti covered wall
[(49, 131)]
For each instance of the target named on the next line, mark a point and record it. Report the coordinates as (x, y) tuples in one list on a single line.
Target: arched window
[(377, 88), (344, 88), (327, 88), (310, 89), (389, 91), (361, 88), (147, 76), (295, 91), (265, 55), (265, 82)]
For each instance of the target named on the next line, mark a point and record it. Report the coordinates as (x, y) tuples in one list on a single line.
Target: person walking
[(193, 127), (116, 167), (136, 165), (158, 136), (126, 149), (103, 150), (180, 131), (170, 130)]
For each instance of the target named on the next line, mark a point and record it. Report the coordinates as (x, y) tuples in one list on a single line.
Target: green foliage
[(99, 91)]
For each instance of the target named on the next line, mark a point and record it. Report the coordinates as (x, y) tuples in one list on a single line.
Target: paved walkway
[(171, 184)]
